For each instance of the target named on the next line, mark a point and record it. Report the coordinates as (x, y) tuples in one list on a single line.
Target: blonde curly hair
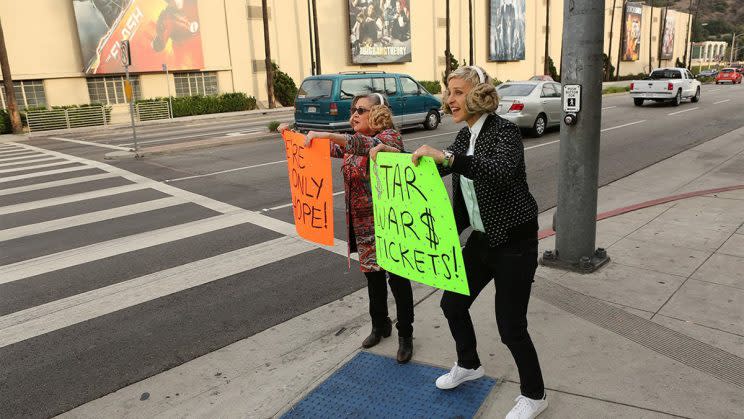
[(380, 115), (482, 98)]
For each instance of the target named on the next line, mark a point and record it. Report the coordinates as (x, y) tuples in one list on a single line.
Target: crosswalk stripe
[(33, 205), (279, 226), (39, 160), (45, 173), (65, 312), (73, 257), (89, 218), (55, 183), (32, 167), (16, 155)]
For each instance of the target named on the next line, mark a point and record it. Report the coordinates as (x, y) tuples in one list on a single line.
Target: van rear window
[(355, 87), (315, 88)]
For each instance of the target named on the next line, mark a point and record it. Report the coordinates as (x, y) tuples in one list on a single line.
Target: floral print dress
[(358, 192)]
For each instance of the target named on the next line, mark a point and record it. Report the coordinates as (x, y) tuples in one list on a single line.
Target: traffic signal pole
[(581, 76)]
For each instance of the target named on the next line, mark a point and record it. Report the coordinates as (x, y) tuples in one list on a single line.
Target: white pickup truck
[(666, 85)]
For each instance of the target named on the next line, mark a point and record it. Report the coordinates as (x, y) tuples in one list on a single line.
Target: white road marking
[(541, 145), (37, 160), (188, 137), (226, 171), (623, 126), (90, 143), (430, 136), (721, 101), (83, 196), (608, 107), (16, 158), (340, 247), (35, 166), (15, 154), (46, 173), (88, 218), (686, 110), (55, 183), (35, 321)]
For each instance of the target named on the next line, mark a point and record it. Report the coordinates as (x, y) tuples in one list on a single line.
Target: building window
[(194, 84), (28, 94), (109, 90)]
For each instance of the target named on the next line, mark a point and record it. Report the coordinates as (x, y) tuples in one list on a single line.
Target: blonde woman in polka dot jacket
[(490, 194)]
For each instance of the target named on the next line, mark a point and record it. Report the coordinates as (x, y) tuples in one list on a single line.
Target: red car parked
[(728, 75)]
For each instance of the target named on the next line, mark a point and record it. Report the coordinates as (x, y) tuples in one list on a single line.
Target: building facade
[(709, 53), (63, 52)]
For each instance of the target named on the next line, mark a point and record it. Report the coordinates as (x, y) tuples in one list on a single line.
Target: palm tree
[(15, 117)]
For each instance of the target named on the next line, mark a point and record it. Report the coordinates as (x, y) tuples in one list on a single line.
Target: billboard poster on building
[(380, 31), (159, 32), (506, 30), (632, 40), (667, 40)]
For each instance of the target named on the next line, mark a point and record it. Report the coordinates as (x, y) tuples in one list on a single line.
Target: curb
[(548, 232)]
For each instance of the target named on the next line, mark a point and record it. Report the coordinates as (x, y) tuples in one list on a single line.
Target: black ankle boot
[(405, 349), (377, 334)]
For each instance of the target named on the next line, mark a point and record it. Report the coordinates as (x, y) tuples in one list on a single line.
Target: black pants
[(512, 266), (378, 308)]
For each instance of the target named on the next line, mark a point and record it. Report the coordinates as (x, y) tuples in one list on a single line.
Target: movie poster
[(667, 40), (380, 31), (159, 32), (632, 41), (507, 27)]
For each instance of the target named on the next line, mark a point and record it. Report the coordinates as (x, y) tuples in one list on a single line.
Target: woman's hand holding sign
[(427, 151), (382, 147)]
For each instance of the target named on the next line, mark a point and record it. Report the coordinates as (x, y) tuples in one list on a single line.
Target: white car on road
[(666, 85)]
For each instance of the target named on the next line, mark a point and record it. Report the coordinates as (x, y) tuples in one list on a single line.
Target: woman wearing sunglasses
[(490, 194), (372, 122)]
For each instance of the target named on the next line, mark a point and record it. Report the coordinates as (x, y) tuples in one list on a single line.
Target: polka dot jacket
[(498, 173)]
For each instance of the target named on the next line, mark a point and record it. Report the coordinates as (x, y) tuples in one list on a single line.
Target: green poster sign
[(414, 225)]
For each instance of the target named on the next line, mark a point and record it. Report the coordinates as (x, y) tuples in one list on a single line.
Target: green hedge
[(202, 105), (5, 127), (432, 86)]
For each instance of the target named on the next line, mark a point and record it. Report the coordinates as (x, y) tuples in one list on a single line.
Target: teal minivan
[(323, 101)]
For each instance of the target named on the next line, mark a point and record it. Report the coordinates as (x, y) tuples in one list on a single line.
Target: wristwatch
[(448, 156)]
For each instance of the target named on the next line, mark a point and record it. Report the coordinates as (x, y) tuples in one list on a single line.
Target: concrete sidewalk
[(658, 332)]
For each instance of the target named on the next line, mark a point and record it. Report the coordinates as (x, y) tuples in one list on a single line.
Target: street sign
[(128, 90), (126, 55), (572, 98)]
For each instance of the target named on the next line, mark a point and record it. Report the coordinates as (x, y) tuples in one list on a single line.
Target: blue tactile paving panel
[(373, 386)]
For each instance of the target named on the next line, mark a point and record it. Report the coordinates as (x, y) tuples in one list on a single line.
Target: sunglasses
[(360, 111)]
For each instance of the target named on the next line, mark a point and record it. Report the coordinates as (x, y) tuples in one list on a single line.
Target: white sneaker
[(457, 376), (527, 408)]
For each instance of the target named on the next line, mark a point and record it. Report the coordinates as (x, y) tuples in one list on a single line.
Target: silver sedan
[(533, 105)]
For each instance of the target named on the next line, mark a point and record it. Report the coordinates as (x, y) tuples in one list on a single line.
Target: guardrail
[(90, 116), (149, 111), (52, 119)]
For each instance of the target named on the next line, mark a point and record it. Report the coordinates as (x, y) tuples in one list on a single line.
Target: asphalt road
[(113, 271)]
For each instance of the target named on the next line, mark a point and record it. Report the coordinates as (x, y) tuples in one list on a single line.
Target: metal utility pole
[(470, 22), (609, 45), (581, 77), (733, 43), (317, 40), (447, 63), (310, 31), (10, 101), (267, 49), (126, 61), (546, 67)]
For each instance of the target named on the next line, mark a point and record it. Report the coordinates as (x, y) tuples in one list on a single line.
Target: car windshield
[(315, 88), (515, 89), (727, 70), (665, 75)]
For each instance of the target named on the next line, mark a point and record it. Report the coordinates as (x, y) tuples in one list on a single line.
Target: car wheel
[(538, 128), (696, 98), (432, 120), (677, 99), (638, 102)]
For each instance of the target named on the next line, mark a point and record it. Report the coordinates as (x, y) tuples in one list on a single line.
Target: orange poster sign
[(312, 191)]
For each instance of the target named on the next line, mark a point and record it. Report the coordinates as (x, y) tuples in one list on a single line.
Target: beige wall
[(42, 42)]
